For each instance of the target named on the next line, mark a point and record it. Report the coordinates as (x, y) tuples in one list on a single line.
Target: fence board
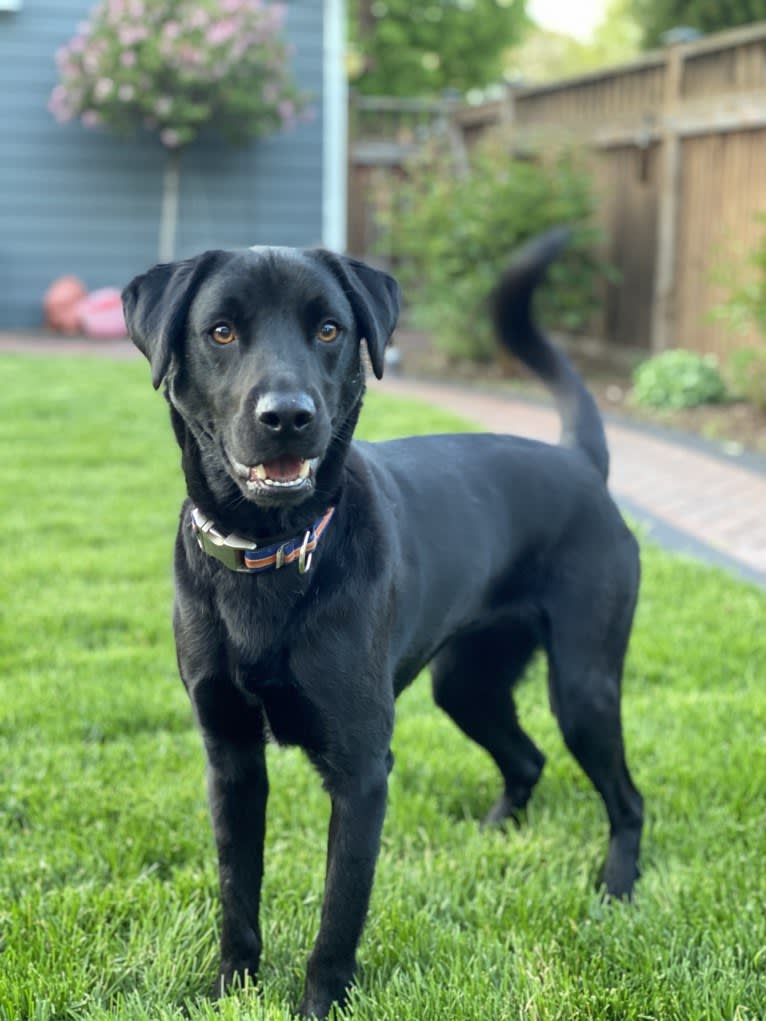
[(722, 175)]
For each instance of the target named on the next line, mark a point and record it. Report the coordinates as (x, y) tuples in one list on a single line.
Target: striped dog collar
[(245, 556)]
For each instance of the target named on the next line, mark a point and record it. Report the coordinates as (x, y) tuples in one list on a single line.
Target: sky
[(574, 17)]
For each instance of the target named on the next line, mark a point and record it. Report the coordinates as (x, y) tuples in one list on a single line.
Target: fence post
[(663, 314), (449, 124)]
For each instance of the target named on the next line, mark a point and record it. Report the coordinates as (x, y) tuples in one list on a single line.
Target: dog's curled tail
[(511, 308)]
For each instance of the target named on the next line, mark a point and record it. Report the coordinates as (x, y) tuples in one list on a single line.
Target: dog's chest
[(257, 614), (290, 717), (259, 638)]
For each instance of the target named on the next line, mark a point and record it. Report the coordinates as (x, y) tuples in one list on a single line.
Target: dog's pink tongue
[(283, 469)]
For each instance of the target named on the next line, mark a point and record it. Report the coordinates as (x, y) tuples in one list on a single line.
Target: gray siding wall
[(74, 200)]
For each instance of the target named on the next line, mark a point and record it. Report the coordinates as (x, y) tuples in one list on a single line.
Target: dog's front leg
[(238, 790), (358, 809), (233, 731)]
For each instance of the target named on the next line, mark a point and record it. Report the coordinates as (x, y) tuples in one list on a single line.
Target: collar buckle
[(304, 561), (229, 549)]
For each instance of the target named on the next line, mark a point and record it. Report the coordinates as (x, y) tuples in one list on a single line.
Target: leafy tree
[(658, 16), (401, 48), (544, 55), (176, 68)]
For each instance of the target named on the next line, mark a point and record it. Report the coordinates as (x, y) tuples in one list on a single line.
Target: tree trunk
[(171, 186)]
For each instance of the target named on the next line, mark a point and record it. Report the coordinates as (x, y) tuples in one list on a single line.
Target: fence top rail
[(396, 104), (727, 40), (652, 60)]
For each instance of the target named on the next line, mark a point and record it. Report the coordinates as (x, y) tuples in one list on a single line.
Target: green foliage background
[(418, 49), (451, 233), (745, 307), (658, 16)]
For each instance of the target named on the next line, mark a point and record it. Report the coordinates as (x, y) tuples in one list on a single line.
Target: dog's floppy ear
[(375, 299), (156, 305)]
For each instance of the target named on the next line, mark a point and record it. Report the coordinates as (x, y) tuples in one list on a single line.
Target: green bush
[(451, 229), (745, 306), (746, 374), (678, 379), (744, 309)]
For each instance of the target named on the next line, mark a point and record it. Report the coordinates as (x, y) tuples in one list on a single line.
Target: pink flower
[(170, 138), (277, 13), (103, 88), (58, 104), (129, 35), (91, 118), (221, 31), (187, 54)]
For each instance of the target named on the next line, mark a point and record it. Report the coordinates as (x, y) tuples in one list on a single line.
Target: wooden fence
[(679, 144)]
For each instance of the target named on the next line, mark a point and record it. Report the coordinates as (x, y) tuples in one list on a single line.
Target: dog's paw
[(616, 881), (620, 871), (318, 1006), (324, 991), (504, 811)]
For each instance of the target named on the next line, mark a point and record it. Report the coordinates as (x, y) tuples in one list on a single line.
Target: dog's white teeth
[(260, 473)]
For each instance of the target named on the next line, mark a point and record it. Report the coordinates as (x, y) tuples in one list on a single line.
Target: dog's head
[(260, 354)]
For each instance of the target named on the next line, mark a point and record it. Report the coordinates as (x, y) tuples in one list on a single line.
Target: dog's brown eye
[(223, 334), (328, 331)]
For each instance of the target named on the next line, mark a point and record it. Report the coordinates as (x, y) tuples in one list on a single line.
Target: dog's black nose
[(285, 412)]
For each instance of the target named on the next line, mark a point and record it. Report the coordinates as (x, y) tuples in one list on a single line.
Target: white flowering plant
[(175, 67)]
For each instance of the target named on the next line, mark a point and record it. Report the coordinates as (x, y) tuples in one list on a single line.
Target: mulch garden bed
[(736, 426)]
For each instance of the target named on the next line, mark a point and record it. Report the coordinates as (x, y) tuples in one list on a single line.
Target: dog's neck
[(213, 491)]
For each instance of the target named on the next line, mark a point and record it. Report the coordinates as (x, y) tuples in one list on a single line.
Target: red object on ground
[(61, 303), (100, 314)]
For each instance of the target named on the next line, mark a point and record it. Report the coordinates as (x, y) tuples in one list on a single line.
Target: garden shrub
[(745, 306), (678, 379), (744, 309), (746, 375), (451, 229)]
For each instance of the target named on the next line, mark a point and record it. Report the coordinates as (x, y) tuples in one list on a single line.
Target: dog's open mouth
[(283, 471), (287, 472)]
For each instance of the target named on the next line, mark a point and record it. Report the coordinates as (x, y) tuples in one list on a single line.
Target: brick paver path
[(720, 504)]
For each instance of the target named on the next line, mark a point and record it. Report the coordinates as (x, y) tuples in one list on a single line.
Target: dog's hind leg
[(585, 657), (473, 677)]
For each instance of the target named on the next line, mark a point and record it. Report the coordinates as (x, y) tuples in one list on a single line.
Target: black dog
[(315, 577)]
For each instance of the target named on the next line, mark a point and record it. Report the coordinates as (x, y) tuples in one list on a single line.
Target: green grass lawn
[(108, 900)]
